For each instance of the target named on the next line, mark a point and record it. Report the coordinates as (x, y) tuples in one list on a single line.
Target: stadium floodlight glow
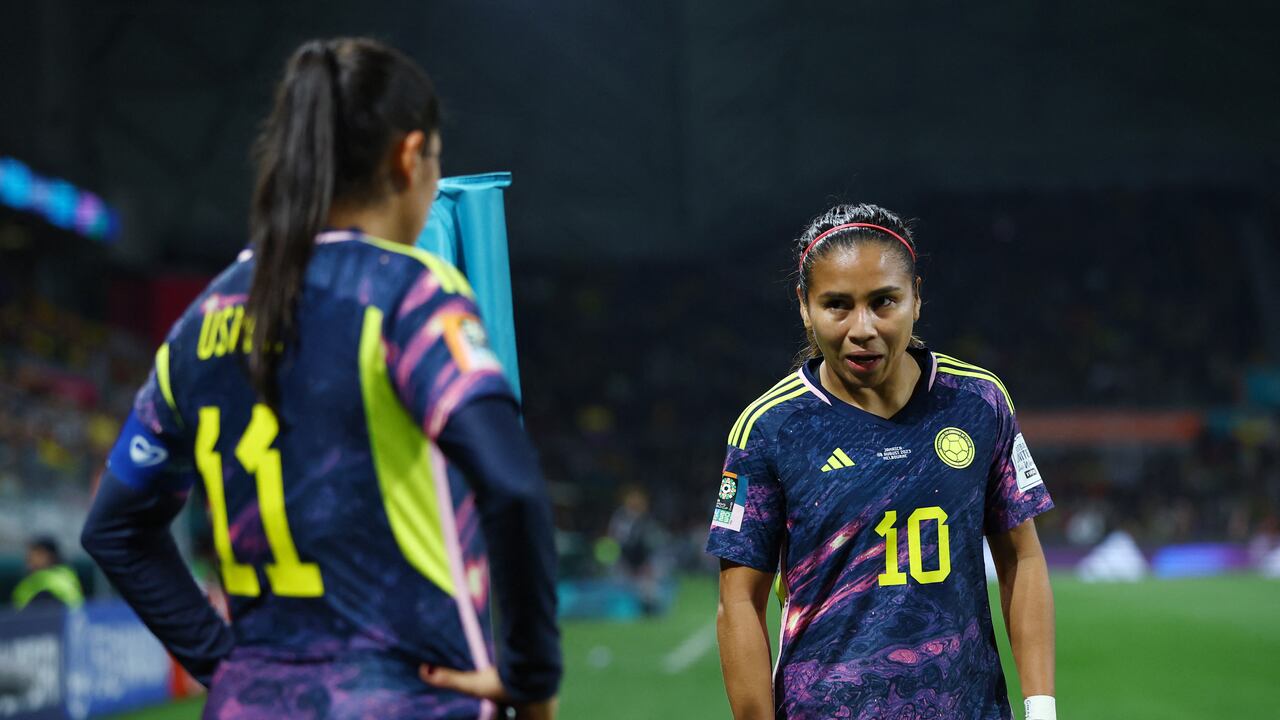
[(57, 201)]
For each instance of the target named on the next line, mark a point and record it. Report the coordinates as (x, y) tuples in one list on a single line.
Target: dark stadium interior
[(1099, 223), (1095, 240)]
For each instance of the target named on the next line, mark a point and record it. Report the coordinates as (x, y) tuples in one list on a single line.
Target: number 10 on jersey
[(887, 529)]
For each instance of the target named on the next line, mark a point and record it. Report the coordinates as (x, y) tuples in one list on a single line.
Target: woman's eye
[(883, 301)]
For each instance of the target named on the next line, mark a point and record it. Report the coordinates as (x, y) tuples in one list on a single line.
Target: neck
[(885, 399), (376, 220)]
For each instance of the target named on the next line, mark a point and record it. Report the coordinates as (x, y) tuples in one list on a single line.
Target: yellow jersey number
[(887, 529), (288, 575)]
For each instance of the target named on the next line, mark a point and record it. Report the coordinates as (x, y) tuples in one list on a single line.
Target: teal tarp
[(468, 227)]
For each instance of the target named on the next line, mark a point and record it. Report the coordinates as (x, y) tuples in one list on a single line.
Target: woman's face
[(861, 307)]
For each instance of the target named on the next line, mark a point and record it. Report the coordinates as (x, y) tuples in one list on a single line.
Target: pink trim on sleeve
[(452, 398), (424, 339), (419, 293), (462, 593)]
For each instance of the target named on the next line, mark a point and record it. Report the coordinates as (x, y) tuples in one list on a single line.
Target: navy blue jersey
[(341, 529), (875, 526)]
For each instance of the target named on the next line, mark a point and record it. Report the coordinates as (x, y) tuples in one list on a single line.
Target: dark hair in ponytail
[(337, 110), (807, 254)]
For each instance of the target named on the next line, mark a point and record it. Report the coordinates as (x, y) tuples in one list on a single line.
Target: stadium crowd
[(634, 374), (634, 371), (65, 383)]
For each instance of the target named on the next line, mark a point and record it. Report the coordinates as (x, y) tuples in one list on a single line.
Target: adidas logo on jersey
[(837, 461)]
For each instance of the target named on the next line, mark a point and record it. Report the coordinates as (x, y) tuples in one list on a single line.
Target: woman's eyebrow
[(887, 289)]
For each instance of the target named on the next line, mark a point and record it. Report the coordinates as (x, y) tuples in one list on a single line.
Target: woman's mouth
[(863, 362)]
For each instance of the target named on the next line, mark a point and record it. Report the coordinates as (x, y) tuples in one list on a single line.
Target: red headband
[(847, 226)]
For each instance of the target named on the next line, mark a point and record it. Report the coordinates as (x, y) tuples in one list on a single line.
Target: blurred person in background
[(639, 540), (361, 451), (48, 580), (866, 480)]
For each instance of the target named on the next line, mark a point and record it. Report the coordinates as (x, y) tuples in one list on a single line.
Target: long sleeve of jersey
[(127, 534), (446, 376), (486, 442), (145, 485)]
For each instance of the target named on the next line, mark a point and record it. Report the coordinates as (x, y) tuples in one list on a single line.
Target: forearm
[(744, 659), (127, 534), (485, 440), (523, 569), (1027, 601)]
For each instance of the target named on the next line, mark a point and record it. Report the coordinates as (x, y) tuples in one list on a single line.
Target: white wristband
[(1041, 707)]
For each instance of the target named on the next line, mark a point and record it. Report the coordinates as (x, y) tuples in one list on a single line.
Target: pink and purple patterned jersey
[(876, 528), (350, 549)]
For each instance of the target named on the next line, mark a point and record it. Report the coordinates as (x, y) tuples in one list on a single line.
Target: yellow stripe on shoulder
[(787, 383), (960, 363), (162, 379), (952, 366), (778, 400), (451, 279)]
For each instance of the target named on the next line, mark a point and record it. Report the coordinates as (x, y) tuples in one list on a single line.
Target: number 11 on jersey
[(288, 575), (887, 529)]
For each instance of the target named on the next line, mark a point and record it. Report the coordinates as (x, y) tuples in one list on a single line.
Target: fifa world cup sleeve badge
[(468, 343), (730, 503)]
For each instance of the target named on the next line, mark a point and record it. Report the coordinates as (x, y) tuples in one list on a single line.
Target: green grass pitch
[(1200, 649)]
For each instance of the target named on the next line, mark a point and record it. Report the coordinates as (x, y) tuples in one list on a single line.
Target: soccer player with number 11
[(866, 480), (360, 450)]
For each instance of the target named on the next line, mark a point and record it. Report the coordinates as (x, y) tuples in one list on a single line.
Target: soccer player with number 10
[(866, 480)]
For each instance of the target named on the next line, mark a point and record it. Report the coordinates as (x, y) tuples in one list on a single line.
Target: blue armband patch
[(142, 460)]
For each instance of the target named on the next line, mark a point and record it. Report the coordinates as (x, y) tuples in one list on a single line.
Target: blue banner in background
[(1199, 560), (112, 662), (95, 661), (468, 227), (31, 663)]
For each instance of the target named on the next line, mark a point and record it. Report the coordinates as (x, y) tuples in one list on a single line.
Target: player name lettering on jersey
[(222, 329)]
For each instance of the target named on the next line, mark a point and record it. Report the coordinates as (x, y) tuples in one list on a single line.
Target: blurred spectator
[(48, 580), (641, 544)]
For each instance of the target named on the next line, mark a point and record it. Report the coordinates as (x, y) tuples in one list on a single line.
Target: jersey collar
[(928, 372), (335, 235), (327, 236)]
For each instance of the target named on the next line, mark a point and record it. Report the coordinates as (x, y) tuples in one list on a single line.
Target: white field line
[(691, 650)]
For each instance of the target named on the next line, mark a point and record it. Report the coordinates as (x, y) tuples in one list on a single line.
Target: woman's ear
[(406, 156), (915, 314), (804, 307)]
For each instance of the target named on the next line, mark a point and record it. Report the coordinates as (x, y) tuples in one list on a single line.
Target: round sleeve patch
[(468, 343)]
